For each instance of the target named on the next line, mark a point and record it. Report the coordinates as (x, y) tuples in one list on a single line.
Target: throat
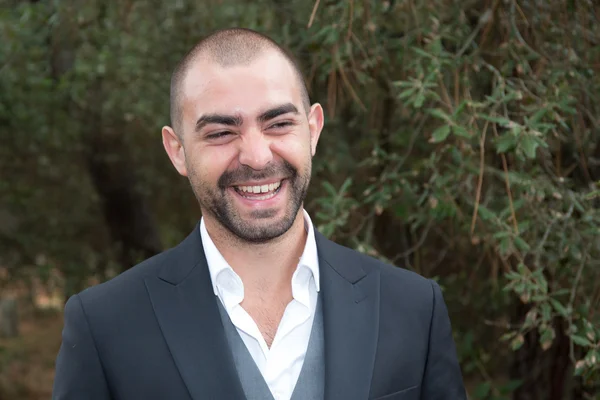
[(267, 313)]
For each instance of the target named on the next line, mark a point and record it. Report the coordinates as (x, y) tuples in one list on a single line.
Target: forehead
[(246, 89)]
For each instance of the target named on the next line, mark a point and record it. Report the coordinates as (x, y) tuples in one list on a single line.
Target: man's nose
[(255, 151)]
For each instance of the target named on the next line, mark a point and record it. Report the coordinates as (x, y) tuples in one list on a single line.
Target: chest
[(267, 314)]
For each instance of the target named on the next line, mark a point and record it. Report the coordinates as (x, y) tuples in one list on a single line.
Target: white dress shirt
[(279, 365)]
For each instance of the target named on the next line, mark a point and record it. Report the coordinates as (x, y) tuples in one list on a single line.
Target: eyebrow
[(236, 120), (231, 120), (286, 108)]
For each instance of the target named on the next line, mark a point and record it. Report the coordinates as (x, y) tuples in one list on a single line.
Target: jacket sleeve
[(79, 373), (443, 378)]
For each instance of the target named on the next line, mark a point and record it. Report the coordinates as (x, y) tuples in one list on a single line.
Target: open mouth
[(259, 192)]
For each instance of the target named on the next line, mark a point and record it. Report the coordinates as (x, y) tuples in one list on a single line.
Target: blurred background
[(462, 141)]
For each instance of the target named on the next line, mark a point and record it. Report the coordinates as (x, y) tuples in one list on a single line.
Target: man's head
[(242, 123), (228, 47)]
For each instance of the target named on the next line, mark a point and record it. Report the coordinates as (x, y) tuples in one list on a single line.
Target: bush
[(462, 142)]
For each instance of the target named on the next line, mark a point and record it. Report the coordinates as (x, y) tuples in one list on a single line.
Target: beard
[(217, 200)]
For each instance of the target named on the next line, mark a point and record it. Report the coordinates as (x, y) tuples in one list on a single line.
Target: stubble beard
[(217, 201)]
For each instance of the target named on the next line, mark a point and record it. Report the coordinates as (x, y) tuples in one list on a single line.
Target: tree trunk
[(8, 318), (125, 209)]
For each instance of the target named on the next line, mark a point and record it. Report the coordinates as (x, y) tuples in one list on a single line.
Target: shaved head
[(244, 134), (227, 48)]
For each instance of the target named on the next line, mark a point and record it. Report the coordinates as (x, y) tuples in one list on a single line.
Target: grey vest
[(311, 382)]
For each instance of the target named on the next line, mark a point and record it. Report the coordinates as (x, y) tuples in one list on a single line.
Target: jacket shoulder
[(370, 264), (396, 282), (127, 284)]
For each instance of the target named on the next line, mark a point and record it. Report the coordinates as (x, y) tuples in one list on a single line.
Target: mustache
[(245, 173)]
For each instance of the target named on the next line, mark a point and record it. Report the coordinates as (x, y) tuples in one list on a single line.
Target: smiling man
[(254, 303)]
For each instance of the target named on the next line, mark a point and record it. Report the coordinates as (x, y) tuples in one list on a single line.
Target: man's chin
[(261, 226), (259, 236)]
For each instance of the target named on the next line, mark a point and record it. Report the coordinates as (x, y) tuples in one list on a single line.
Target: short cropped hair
[(228, 47)]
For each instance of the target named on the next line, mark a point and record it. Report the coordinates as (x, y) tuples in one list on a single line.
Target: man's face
[(247, 144)]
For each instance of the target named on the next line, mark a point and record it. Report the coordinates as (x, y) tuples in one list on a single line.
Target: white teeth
[(265, 196), (260, 189)]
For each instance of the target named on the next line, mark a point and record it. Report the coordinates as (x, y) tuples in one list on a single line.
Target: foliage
[(462, 142)]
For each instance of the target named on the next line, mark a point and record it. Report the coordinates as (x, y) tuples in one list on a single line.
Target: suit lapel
[(351, 321), (185, 306)]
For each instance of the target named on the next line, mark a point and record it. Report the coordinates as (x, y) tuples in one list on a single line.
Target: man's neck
[(266, 267)]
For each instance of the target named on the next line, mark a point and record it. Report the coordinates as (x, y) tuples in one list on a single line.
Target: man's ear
[(173, 145), (316, 119)]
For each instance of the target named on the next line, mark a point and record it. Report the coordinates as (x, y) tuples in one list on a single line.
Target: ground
[(27, 361)]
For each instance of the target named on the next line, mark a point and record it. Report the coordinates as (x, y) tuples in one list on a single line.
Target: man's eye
[(218, 135), (280, 125)]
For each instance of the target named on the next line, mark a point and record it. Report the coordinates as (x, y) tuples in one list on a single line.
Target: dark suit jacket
[(154, 332)]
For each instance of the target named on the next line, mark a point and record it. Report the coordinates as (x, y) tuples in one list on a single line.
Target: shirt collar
[(310, 256), (217, 264), (214, 258)]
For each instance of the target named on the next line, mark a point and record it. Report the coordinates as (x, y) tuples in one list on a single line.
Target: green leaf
[(505, 143), (521, 244), (505, 122), (523, 226), (440, 134), (460, 108), (538, 116), (529, 145), (504, 246), (547, 337), (322, 216), (592, 195), (457, 157), (407, 93), (508, 336), (543, 283), (546, 312), (345, 186), (512, 275), (436, 46), (558, 306), (502, 234), (419, 100), (485, 213), (329, 189), (438, 113), (422, 52), (517, 342), (581, 341), (561, 292), (403, 84), (460, 131)]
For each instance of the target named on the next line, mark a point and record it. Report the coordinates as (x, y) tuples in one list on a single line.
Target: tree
[(461, 142)]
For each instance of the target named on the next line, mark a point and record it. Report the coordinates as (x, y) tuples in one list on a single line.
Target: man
[(254, 303)]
